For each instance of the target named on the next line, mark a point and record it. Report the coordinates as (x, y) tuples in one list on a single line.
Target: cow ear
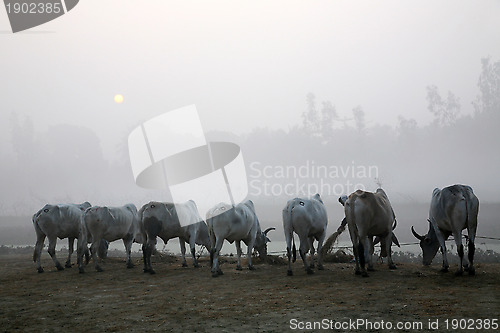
[(268, 240)]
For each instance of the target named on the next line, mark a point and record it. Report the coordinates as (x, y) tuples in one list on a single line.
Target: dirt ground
[(264, 300)]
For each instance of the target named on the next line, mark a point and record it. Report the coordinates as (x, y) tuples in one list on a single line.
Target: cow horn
[(268, 229), (416, 235)]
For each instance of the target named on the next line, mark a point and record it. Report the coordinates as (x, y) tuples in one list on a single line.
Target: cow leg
[(216, 271), (192, 247), (81, 250), (289, 236), (355, 250), (472, 270), (183, 252), (321, 239), (388, 243), (366, 253), (127, 241), (472, 237), (145, 256), (303, 249), (250, 246), (369, 256), (238, 252), (312, 252), (442, 244), (71, 243), (52, 252), (148, 248), (93, 250), (460, 251), (40, 238)]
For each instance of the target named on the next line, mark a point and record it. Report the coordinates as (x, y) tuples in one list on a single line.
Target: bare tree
[(359, 118), (445, 111), (328, 117), (311, 118), (488, 101)]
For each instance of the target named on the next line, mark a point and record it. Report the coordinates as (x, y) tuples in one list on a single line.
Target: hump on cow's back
[(455, 189), (360, 193), (317, 197)]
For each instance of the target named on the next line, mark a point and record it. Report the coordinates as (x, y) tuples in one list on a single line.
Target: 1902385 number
[(34, 8), (471, 324)]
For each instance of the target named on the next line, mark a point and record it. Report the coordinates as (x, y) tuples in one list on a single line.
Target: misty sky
[(245, 64)]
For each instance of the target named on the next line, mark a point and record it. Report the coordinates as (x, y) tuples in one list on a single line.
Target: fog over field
[(324, 97)]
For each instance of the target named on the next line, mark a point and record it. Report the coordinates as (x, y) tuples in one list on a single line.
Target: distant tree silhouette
[(445, 111)]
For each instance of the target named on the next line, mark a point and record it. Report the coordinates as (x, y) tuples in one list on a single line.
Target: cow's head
[(261, 242), (428, 243)]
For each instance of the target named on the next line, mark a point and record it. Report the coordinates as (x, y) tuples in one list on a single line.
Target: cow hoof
[(99, 269), (40, 270), (310, 271), (215, 274), (392, 266), (220, 272), (196, 265), (364, 274), (357, 272), (321, 268), (81, 270), (472, 271), (289, 273), (184, 264), (444, 270), (459, 272), (68, 266), (152, 271), (251, 268), (238, 268), (60, 268), (145, 270), (130, 265)]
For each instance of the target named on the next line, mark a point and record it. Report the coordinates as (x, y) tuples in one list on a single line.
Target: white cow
[(369, 214), (452, 210), (109, 223), (235, 223), (57, 221), (308, 219), (160, 219)]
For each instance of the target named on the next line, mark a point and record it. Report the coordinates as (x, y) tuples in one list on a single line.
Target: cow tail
[(353, 217), (290, 214), (467, 209), (361, 252), (211, 236)]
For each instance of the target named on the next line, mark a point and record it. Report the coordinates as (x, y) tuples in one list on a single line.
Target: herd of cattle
[(369, 217)]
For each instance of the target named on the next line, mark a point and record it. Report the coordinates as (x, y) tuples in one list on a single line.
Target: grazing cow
[(109, 223), (308, 219), (368, 215), (452, 210), (375, 241), (53, 221), (235, 223), (161, 219)]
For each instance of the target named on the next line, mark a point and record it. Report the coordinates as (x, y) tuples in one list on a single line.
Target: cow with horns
[(235, 223), (453, 209)]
